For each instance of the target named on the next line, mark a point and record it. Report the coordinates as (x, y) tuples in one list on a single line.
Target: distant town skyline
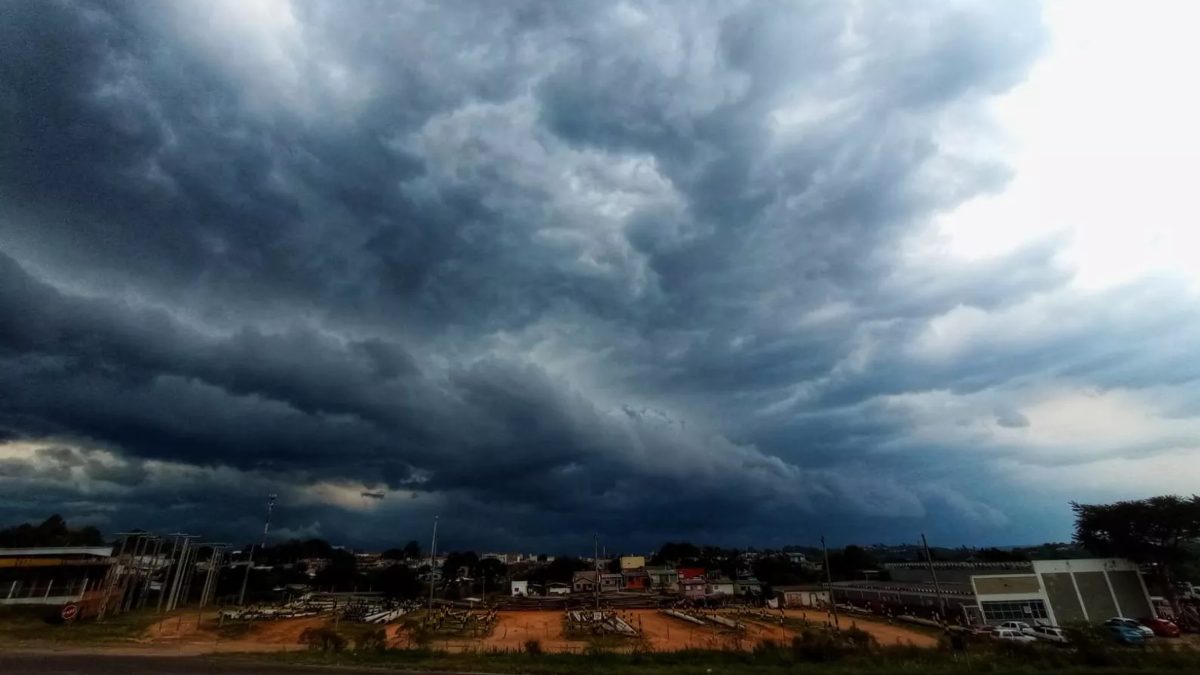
[(730, 273)]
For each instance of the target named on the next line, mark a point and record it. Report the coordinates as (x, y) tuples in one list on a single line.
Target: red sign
[(70, 611)]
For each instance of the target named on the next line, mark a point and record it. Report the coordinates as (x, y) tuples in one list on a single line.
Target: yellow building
[(632, 562)]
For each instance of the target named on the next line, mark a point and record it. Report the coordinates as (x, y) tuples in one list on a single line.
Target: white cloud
[(1105, 147)]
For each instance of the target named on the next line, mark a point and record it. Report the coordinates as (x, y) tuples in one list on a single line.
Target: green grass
[(767, 661), (29, 625)]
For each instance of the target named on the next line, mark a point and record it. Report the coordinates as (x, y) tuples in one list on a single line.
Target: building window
[(1018, 610)]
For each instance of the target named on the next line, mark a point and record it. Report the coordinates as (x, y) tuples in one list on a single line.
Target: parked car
[(1050, 634), (1125, 635), (1012, 635), (1187, 591), (1161, 627), (1018, 626), (1132, 624)]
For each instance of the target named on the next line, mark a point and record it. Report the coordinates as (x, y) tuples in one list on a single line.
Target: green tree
[(849, 563), (561, 569), (51, 532), (489, 573), (1154, 531), (398, 581), (412, 550)]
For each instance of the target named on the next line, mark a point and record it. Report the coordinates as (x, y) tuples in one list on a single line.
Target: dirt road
[(185, 634), (884, 633), (95, 664)]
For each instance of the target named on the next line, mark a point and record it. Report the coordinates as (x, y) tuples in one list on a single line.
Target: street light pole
[(829, 585), (432, 562), (250, 558)]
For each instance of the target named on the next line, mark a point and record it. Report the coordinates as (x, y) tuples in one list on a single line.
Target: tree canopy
[(1153, 531), (51, 532)]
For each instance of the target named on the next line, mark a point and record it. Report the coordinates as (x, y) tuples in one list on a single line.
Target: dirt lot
[(660, 633), (885, 633), (182, 634)]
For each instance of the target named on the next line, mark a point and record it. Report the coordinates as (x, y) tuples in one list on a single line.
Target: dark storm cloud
[(557, 268)]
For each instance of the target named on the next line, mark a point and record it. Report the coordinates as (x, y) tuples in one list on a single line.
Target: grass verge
[(28, 625)]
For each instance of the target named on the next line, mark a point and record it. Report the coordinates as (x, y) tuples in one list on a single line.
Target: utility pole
[(135, 573), (210, 578), (596, 566), (829, 585), (158, 544), (190, 575), (432, 563), (167, 572), (115, 572), (185, 554), (263, 545), (937, 588)]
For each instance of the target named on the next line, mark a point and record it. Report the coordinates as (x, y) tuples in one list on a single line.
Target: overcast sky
[(733, 272)]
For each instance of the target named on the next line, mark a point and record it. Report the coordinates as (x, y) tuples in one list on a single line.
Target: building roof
[(103, 551), (1008, 565), (948, 588)]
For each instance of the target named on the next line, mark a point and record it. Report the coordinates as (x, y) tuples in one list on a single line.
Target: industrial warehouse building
[(1056, 592), (1063, 592), (53, 575)]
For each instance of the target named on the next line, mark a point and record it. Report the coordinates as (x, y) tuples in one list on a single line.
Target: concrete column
[(1079, 596), (1112, 594)]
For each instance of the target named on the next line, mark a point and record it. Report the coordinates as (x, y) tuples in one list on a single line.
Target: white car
[(1018, 626), (1049, 634), (1133, 624), (1012, 635)]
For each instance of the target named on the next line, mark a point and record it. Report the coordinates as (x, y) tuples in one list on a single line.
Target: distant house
[(635, 580), (520, 588), (585, 582), (690, 573), (632, 562), (805, 595), (663, 579), (611, 582), (719, 586), (750, 587), (693, 588)]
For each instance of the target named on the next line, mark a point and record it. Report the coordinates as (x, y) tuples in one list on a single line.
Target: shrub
[(816, 646), (324, 638), (1093, 646), (533, 647), (371, 641), (858, 638)]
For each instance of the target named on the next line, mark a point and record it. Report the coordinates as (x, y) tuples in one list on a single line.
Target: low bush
[(324, 639), (372, 640)]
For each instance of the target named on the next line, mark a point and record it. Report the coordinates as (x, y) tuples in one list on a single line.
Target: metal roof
[(103, 551)]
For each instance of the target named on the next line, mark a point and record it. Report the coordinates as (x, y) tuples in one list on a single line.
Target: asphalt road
[(89, 664)]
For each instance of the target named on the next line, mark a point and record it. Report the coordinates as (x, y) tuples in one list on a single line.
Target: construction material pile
[(461, 622), (762, 615), (367, 608), (599, 622), (584, 600), (702, 618), (375, 611)]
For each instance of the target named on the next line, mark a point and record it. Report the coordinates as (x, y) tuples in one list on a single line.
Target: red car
[(1161, 627)]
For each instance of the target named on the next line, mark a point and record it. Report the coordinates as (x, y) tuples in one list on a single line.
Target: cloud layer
[(648, 269)]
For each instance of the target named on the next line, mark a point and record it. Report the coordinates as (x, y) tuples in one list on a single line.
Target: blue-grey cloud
[(633, 268)]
